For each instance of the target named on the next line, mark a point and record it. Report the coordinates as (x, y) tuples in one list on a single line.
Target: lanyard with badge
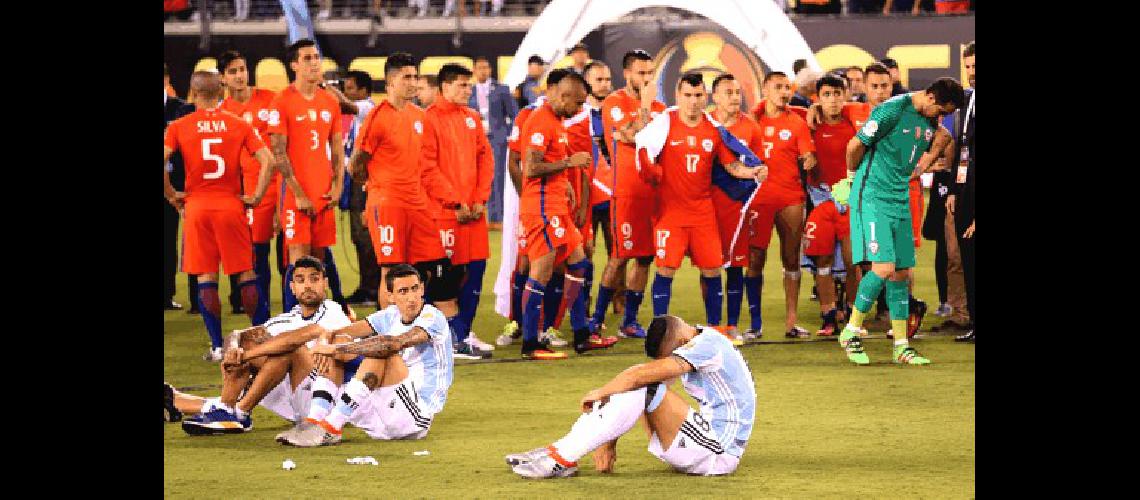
[(964, 158)]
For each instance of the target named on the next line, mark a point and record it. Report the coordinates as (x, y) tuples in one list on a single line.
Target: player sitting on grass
[(263, 378), (391, 396), (707, 442)]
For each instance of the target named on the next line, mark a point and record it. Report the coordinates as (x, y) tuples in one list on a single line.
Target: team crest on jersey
[(707, 144), (769, 130), (537, 139), (274, 117), (929, 134), (326, 116), (514, 133), (419, 126), (248, 117), (290, 232), (470, 122), (312, 115), (522, 243), (449, 252), (560, 232), (616, 114), (870, 128), (661, 253), (263, 115), (785, 134), (692, 141), (873, 247), (386, 250), (628, 245)]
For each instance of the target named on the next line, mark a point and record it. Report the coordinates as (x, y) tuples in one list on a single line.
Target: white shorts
[(394, 412), (291, 405), (695, 450)]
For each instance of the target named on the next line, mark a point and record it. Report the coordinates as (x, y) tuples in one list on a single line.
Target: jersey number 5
[(218, 160)]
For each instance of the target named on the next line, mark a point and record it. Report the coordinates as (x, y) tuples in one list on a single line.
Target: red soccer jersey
[(831, 150), (454, 145), (856, 113), (686, 171), (211, 142), (255, 112), (783, 140), (618, 109), (513, 142), (579, 140), (307, 125), (544, 195), (393, 137)]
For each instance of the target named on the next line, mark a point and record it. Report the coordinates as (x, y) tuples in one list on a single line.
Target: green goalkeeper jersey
[(896, 136)]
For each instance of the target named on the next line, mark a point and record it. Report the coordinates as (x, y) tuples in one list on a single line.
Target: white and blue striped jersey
[(429, 363), (329, 315), (723, 385)]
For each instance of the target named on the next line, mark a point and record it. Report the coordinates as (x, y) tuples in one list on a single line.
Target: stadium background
[(823, 428)]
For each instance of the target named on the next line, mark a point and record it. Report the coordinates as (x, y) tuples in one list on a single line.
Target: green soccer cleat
[(907, 355), (853, 345)]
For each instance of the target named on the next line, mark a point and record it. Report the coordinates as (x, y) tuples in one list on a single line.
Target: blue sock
[(532, 297), (456, 325), (589, 284), (553, 300), (662, 293), (713, 295), (469, 295), (251, 302), (516, 297), (287, 298), (734, 293), (211, 308), (261, 269), (605, 295), (333, 275), (632, 304), (752, 288), (575, 281)]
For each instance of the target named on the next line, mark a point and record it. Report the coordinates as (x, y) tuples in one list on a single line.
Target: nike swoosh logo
[(905, 131), (663, 296), (741, 257), (827, 135), (674, 143), (299, 118)]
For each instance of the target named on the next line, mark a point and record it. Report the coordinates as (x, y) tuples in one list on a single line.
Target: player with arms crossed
[(304, 126), (707, 442), (884, 154), (633, 207), (676, 153), (215, 232), (400, 385)]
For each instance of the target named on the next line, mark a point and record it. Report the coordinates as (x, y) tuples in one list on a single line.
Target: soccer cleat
[(217, 421), (214, 355), (914, 319), (828, 330), (318, 434), (851, 343), (545, 466), (552, 337), (907, 355), (600, 342), (734, 335), (171, 305), (510, 333), (477, 342), (291, 434), (467, 351), (516, 458), (170, 412), (797, 332), (969, 337), (543, 354), (830, 324), (632, 331), (944, 310), (751, 334)]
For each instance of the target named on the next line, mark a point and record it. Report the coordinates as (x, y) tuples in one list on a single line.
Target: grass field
[(824, 427)]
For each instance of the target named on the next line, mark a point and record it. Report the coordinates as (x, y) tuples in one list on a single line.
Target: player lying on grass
[(400, 385), (263, 379), (707, 442)]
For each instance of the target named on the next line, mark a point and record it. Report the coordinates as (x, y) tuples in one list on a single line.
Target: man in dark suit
[(494, 103), (172, 109), (961, 204)]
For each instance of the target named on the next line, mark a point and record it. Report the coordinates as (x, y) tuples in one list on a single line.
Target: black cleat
[(914, 319), (969, 337), (170, 412)]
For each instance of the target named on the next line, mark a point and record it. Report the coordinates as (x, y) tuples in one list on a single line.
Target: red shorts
[(542, 237), (762, 215), (824, 227), (402, 235), (633, 220), (473, 237), (727, 219), (916, 210), (700, 243), (260, 219), (215, 232), (587, 230)]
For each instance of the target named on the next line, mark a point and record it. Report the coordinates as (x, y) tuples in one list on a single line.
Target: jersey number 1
[(207, 155)]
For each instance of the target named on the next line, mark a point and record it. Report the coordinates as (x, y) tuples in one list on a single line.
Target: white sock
[(212, 403), (603, 425), (354, 393), (319, 406)]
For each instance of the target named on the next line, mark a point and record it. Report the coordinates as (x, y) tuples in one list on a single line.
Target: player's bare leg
[(826, 286), (790, 227), (374, 373)]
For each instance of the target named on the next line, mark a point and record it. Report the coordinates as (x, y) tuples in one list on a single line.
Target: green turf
[(824, 428)]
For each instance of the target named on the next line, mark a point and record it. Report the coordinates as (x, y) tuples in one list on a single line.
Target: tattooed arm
[(278, 143), (382, 346), (357, 164), (535, 167), (740, 171)]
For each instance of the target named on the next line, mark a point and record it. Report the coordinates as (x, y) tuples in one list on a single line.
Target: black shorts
[(442, 278)]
